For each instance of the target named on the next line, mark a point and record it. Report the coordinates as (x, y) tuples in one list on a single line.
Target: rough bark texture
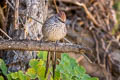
[(33, 45), (28, 29)]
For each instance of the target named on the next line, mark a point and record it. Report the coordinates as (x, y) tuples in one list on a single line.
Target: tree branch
[(33, 45)]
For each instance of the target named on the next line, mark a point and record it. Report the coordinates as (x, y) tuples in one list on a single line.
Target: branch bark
[(33, 45)]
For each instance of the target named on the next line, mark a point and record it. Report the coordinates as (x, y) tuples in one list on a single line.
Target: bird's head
[(62, 16)]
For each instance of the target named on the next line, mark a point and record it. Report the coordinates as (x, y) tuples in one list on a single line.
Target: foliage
[(67, 69), (70, 70)]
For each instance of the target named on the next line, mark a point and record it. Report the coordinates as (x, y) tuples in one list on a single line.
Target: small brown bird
[(54, 29)]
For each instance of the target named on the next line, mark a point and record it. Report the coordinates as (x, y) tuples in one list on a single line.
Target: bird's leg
[(47, 63)]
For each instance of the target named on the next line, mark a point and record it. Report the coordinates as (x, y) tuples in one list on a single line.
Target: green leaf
[(41, 73), (41, 62), (66, 77), (32, 73), (3, 67), (79, 71), (1, 78), (93, 78), (85, 77), (14, 75), (57, 75), (34, 64), (22, 76), (73, 62), (42, 55), (9, 76)]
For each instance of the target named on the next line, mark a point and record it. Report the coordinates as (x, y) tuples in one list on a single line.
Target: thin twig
[(108, 46), (56, 6), (32, 18), (103, 43), (16, 14), (8, 37), (87, 58), (88, 13), (10, 4), (80, 58), (90, 16), (5, 34), (97, 47), (68, 41)]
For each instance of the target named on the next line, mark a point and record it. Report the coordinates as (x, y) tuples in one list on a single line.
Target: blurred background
[(91, 23)]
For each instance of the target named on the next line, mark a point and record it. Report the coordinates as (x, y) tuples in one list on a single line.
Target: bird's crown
[(62, 16)]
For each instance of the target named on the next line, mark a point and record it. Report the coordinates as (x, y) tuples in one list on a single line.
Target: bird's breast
[(55, 32)]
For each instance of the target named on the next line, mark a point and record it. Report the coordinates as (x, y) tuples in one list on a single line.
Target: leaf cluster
[(67, 69)]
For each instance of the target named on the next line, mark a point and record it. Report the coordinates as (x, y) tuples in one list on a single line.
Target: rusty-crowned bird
[(54, 29)]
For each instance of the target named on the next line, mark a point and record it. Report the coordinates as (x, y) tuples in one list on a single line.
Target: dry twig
[(90, 16), (57, 10), (5, 34), (16, 14), (97, 46)]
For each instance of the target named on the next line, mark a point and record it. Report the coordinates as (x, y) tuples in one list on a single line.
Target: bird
[(54, 29)]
